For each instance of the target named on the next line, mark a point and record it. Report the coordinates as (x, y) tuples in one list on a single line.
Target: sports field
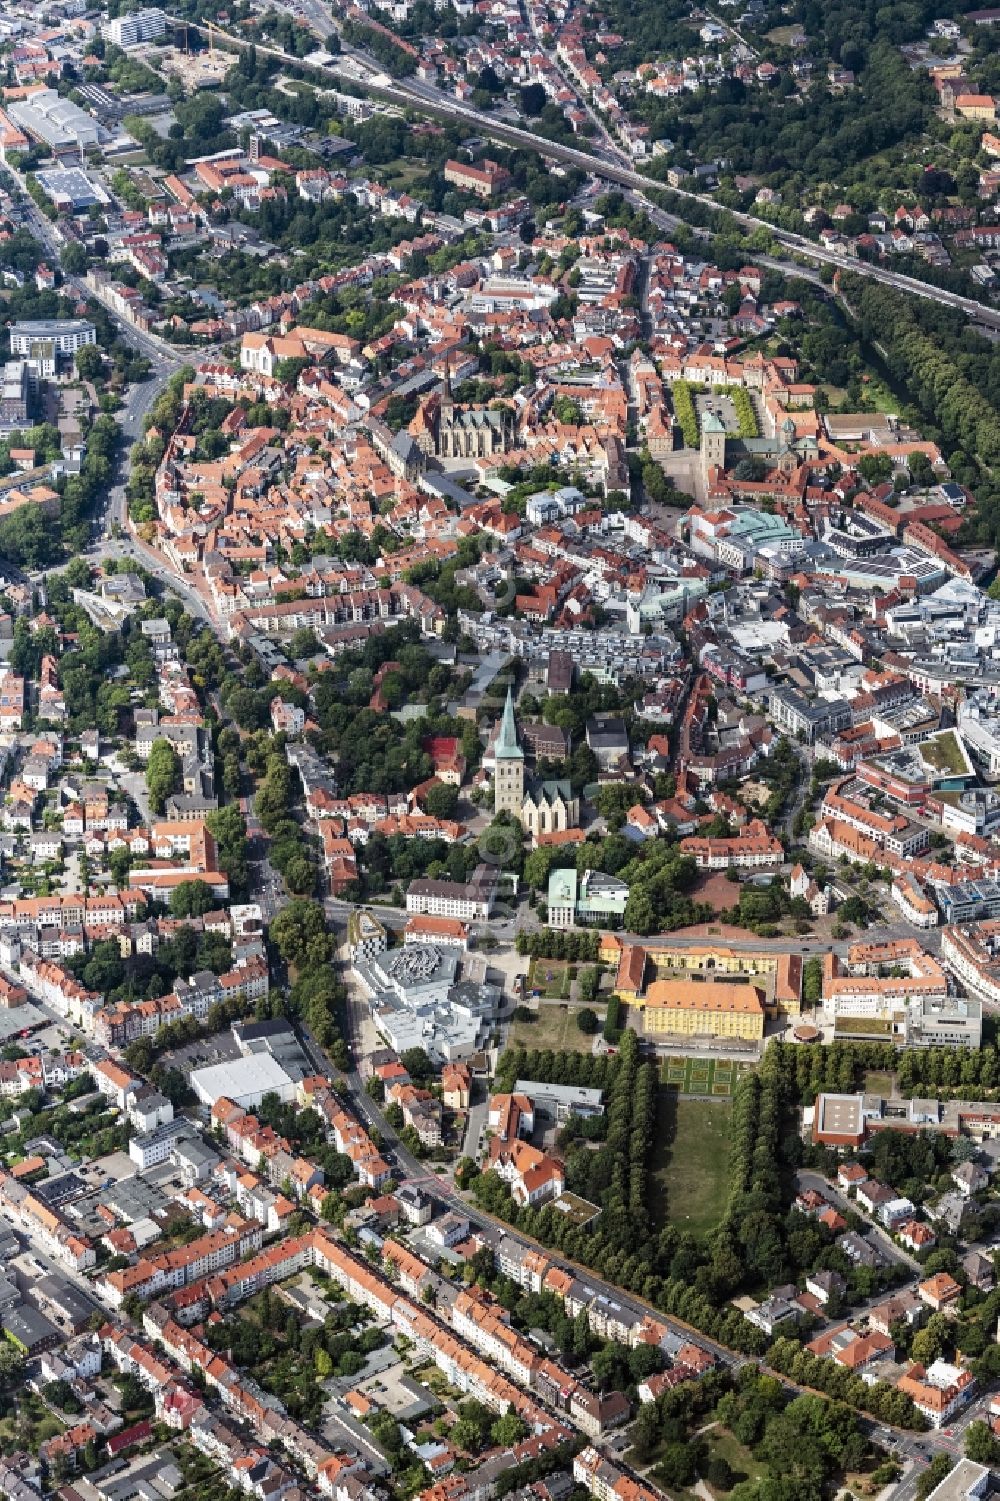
[(714, 1077)]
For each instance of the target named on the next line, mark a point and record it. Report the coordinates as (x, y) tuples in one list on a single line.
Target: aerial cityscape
[(499, 751)]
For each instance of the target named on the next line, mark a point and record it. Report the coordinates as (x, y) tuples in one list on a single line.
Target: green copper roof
[(507, 745)]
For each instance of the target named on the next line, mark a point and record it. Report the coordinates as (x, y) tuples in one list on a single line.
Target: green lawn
[(690, 1160), (553, 1027), (408, 174), (551, 977), (878, 395), (879, 1083), (782, 36), (712, 1077), (723, 1443), (718, 1441)]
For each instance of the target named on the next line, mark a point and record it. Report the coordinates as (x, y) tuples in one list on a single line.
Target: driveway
[(806, 1179)]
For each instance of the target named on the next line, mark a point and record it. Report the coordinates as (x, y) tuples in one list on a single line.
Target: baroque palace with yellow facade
[(704, 990), (699, 1008)]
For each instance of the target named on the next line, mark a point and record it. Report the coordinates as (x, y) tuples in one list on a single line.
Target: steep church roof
[(506, 747)]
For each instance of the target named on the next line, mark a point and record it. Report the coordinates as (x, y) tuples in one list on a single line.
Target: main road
[(111, 517), (911, 1448), (411, 1170), (150, 345), (428, 101)]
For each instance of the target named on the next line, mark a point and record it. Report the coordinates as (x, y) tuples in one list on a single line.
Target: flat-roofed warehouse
[(58, 122), (245, 1081)]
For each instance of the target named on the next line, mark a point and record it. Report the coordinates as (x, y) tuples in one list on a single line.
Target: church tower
[(713, 443), (508, 776)]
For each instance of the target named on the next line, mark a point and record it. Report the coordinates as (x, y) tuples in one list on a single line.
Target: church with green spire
[(541, 807), (508, 778)]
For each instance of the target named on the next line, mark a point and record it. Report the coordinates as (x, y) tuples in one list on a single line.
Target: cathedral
[(453, 432), (781, 455), (542, 807)]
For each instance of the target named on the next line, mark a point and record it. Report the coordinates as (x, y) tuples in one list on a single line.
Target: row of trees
[(229, 829), (883, 1401), (615, 1176), (317, 995), (758, 1243), (591, 1070), (745, 413), (163, 774), (287, 848), (378, 41), (953, 377), (841, 1066), (684, 411), (558, 943)]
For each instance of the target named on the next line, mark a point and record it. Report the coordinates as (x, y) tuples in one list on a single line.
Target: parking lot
[(393, 1389), (721, 406), (221, 1047)]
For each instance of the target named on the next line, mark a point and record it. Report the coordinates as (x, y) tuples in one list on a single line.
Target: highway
[(427, 101)]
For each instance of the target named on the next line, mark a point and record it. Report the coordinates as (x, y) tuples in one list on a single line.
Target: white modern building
[(968, 1481), (46, 341), (419, 997), (150, 1148), (139, 26)]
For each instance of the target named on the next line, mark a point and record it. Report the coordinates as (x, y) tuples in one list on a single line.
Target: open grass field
[(690, 1159), (782, 36), (728, 1447), (406, 174), (554, 1027), (551, 977), (714, 1077), (878, 394), (879, 1083)]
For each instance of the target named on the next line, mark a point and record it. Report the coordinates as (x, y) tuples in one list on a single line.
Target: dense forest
[(839, 31), (819, 138)]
